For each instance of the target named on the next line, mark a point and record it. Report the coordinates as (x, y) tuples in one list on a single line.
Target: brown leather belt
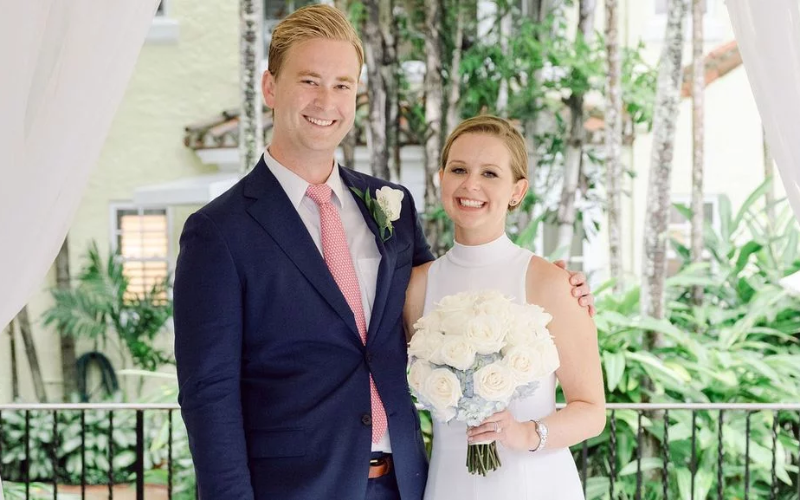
[(379, 467)]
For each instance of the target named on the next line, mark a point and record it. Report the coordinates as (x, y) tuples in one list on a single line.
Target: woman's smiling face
[(478, 185)]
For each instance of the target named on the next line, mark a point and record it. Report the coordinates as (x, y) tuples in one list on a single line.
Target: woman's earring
[(513, 202)]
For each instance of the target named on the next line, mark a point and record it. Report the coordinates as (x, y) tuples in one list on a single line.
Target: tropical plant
[(100, 307)]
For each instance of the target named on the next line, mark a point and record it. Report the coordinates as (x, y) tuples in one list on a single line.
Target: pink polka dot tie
[(337, 256)]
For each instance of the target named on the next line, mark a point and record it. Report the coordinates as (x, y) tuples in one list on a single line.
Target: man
[(288, 296)]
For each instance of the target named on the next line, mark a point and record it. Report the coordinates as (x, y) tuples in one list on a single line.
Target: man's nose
[(324, 98)]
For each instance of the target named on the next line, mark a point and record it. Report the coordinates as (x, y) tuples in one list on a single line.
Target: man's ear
[(268, 89)]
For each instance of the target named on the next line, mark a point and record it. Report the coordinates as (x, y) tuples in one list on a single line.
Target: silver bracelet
[(542, 431)]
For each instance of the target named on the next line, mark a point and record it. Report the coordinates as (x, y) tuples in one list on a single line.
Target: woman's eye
[(490, 174), (457, 170)]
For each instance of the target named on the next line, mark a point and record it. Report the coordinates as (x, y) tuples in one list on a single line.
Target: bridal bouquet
[(474, 354)]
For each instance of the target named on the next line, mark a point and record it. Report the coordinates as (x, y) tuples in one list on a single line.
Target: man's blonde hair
[(309, 23), (495, 127)]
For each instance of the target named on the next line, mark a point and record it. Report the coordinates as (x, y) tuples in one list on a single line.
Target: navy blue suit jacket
[(274, 379)]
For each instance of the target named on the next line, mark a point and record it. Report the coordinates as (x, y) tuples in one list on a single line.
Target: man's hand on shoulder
[(580, 288)]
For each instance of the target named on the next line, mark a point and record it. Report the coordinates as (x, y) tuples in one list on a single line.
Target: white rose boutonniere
[(385, 207)]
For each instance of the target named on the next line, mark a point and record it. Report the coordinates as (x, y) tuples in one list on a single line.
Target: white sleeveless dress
[(546, 475)]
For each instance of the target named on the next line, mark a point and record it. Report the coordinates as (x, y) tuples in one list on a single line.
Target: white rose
[(519, 334), (391, 202), (544, 358), (495, 382), (455, 312), (431, 322), (457, 352), (426, 345), (487, 333), (442, 390), (494, 303), (523, 361), (417, 374), (527, 324), (538, 320)]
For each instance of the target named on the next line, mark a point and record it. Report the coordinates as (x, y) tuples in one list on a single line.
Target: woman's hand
[(503, 428)]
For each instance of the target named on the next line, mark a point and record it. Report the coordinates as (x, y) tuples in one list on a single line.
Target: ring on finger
[(497, 427)]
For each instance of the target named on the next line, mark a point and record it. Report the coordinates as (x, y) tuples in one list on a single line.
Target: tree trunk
[(12, 340), (454, 96), (390, 32), (654, 263), (350, 140), (376, 89), (613, 144), (769, 173), (698, 141), (68, 360), (538, 10), (433, 114), (349, 148), (33, 358), (505, 34), (575, 141), (251, 118)]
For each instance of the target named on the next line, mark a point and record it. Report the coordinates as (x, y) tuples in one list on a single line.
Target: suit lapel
[(386, 268), (274, 212)]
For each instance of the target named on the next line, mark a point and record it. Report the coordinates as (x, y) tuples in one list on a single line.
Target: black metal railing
[(19, 467), (647, 450), (730, 472)]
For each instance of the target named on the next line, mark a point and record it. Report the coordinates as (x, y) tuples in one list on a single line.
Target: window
[(680, 229), (142, 238)]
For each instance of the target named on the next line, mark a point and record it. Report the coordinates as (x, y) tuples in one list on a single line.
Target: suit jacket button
[(369, 357), (366, 419)]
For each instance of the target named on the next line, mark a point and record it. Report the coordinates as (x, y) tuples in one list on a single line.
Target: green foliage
[(68, 453), (16, 491), (100, 304), (740, 345), (638, 86)]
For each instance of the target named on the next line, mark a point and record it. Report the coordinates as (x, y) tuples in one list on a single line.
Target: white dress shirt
[(360, 240)]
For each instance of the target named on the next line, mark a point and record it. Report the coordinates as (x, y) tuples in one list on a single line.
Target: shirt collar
[(295, 186)]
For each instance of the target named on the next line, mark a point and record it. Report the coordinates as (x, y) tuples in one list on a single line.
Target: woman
[(483, 176)]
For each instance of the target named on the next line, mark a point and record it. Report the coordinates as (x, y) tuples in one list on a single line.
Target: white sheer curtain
[(768, 34), (64, 65)]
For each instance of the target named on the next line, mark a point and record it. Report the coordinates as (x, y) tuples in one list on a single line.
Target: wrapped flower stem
[(482, 458)]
